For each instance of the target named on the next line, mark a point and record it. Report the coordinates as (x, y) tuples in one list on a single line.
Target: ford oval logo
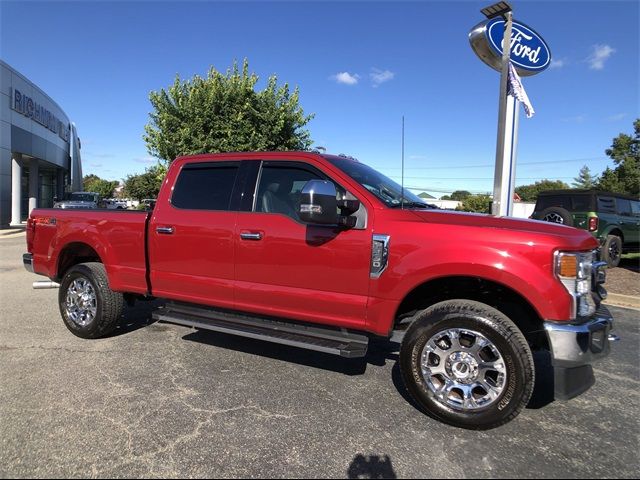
[(528, 50)]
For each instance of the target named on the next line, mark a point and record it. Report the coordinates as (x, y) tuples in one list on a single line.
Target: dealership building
[(39, 149)]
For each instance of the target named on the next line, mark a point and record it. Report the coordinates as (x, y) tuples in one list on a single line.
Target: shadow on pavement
[(371, 466), (136, 317), (631, 264), (378, 354)]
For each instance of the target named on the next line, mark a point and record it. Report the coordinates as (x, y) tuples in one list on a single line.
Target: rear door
[(191, 235), (289, 269), (629, 222)]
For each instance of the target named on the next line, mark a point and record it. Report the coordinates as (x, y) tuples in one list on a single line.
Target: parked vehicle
[(612, 218), (323, 252), (80, 200), (115, 204)]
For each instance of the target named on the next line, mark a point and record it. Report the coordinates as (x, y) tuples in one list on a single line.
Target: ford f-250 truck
[(323, 252)]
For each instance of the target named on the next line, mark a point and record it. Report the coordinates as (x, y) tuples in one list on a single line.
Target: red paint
[(304, 272)]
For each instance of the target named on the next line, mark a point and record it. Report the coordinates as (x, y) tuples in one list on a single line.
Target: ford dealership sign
[(530, 54)]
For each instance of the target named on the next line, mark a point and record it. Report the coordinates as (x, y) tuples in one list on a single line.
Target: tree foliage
[(585, 179), (145, 185), (529, 193), (625, 153), (476, 203), (225, 113), (93, 183)]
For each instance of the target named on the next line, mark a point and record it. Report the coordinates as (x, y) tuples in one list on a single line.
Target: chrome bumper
[(27, 260), (579, 344), (574, 347)]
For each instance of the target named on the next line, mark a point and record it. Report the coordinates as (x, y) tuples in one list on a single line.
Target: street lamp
[(497, 9), (503, 178)]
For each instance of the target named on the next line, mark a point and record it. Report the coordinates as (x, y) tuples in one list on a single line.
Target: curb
[(13, 232), (625, 301)]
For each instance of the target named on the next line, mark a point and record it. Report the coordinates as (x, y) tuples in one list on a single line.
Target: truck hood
[(565, 235)]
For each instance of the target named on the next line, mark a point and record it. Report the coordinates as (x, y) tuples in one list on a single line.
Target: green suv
[(612, 218)]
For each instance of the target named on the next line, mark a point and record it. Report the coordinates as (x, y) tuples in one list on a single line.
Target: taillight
[(593, 224), (31, 228)]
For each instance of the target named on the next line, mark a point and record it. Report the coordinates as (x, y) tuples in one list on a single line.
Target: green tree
[(585, 179), (459, 195), (225, 113), (529, 193), (625, 153), (476, 203), (93, 183), (145, 185)]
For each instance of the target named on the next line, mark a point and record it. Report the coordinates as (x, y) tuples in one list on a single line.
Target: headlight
[(574, 271)]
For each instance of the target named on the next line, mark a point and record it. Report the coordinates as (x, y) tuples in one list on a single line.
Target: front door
[(289, 269)]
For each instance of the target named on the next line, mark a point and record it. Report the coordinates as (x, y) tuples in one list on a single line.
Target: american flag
[(516, 90)]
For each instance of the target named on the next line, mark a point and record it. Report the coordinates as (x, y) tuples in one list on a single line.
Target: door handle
[(165, 230), (251, 235)]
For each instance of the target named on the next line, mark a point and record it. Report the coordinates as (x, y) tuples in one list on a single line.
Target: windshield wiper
[(411, 205)]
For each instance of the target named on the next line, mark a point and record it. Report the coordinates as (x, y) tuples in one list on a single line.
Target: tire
[(508, 383), (89, 308), (612, 250), (556, 215)]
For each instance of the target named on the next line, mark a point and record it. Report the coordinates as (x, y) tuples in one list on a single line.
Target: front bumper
[(27, 260), (574, 347)]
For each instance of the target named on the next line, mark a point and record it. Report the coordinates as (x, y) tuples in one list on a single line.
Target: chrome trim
[(44, 284), (164, 230), (27, 261), (384, 239), (575, 344)]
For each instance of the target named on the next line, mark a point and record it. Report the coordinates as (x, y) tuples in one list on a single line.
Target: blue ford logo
[(528, 50)]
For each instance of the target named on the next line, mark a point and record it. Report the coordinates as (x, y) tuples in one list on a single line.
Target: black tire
[(556, 215), (612, 250), (505, 336), (108, 305)]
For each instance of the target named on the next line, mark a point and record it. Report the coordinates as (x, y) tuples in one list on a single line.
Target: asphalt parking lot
[(159, 400)]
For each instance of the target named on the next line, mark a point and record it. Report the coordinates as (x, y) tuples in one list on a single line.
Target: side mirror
[(318, 204)]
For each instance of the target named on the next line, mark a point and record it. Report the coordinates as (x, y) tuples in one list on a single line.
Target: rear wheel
[(466, 364), (89, 308), (612, 250)]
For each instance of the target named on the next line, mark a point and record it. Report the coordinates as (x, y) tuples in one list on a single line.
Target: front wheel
[(467, 364), (89, 308)]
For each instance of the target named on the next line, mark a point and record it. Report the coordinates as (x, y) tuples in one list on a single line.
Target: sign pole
[(505, 145)]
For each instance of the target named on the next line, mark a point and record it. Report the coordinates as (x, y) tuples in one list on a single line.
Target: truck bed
[(117, 237)]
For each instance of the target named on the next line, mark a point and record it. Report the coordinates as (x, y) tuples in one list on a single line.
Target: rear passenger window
[(624, 207), (205, 186), (606, 205), (635, 208)]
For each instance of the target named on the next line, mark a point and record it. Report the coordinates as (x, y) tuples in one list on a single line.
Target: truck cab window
[(205, 186)]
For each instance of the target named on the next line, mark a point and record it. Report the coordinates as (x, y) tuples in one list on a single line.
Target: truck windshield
[(382, 187), (82, 197)]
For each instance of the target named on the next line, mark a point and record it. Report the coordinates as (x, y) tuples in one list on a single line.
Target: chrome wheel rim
[(553, 218), (463, 369), (81, 303)]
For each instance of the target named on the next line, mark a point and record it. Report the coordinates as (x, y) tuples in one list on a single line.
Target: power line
[(546, 162)]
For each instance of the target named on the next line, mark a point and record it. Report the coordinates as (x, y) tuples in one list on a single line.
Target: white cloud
[(144, 159), (599, 55), (380, 76), (557, 63), (575, 119), (615, 118), (345, 78)]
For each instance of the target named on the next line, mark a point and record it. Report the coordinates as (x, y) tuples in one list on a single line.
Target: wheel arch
[(499, 296), (73, 254)]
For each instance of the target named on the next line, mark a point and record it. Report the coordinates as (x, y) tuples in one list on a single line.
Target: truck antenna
[(402, 174)]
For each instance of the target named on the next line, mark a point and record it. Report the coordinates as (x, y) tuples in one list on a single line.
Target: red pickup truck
[(323, 252)]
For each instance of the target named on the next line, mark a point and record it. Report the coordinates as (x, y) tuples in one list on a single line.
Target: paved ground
[(164, 401)]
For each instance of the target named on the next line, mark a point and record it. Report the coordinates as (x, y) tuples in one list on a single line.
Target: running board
[(327, 340)]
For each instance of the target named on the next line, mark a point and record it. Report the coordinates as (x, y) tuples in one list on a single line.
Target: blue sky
[(360, 67)]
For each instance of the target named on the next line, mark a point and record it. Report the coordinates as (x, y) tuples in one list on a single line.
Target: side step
[(327, 340)]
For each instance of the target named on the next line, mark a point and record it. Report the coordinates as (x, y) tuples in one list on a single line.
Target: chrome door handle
[(165, 230), (251, 235)]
